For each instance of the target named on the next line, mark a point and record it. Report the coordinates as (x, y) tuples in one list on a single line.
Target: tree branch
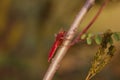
[(67, 41), (77, 39)]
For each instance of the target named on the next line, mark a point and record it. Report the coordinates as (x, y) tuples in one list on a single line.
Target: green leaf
[(116, 36), (83, 36), (98, 39), (111, 41), (89, 41), (90, 35)]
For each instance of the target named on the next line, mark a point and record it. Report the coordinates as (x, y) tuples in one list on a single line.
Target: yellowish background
[(27, 29)]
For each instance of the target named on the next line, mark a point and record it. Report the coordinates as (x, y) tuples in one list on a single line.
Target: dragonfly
[(58, 41)]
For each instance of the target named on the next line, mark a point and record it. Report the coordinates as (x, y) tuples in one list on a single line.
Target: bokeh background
[(27, 29)]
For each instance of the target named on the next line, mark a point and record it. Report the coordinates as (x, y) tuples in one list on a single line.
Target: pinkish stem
[(77, 39)]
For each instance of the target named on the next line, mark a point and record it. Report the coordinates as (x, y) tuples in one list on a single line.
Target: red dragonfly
[(56, 44)]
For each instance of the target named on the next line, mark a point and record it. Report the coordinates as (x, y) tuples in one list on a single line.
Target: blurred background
[(27, 29)]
